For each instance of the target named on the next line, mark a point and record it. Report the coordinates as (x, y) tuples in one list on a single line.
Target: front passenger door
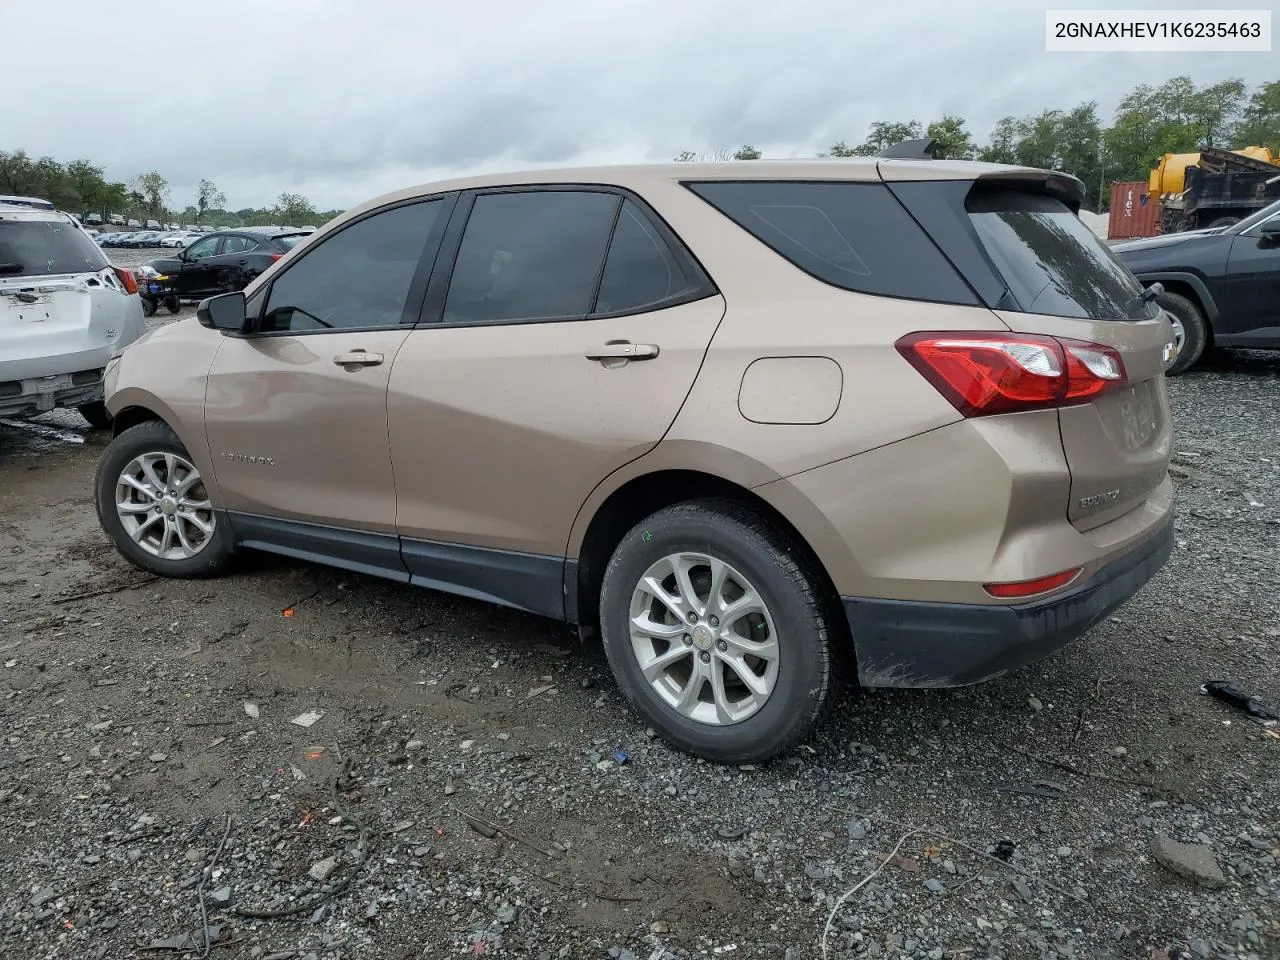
[(296, 411), (1253, 289)]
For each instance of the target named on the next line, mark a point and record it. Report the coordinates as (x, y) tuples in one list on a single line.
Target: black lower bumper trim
[(916, 644)]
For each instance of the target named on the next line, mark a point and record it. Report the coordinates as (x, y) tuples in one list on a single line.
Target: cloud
[(342, 100)]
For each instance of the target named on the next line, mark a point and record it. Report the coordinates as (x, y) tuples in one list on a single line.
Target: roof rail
[(33, 202), (921, 149)]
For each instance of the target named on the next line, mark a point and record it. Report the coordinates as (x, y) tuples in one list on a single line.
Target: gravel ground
[(474, 785)]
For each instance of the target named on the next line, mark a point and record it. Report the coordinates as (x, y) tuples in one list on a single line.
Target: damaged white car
[(64, 311)]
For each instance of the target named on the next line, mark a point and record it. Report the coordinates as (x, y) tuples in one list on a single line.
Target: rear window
[(292, 240), (41, 248), (1053, 263), (856, 236)]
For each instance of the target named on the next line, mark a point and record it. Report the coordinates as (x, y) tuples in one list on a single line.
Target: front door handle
[(358, 358), (623, 350)]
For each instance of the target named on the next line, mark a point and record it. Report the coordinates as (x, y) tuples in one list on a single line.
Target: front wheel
[(718, 630), (1190, 331), (148, 306), (153, 504), (172, 305)]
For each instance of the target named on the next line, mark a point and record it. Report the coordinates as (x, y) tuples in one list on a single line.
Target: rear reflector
[(1029, 588), (988, 373), (127, 278)]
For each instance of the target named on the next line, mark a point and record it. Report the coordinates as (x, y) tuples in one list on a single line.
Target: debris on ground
[(1230, 692), (1193, 861)]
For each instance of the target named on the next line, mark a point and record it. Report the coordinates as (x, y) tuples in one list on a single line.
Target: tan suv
[(743, 418)]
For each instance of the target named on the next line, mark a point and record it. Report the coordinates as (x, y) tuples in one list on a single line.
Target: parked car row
[(148, 238)]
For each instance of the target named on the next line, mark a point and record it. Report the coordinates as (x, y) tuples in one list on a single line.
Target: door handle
[(358, 358), (623, 350)]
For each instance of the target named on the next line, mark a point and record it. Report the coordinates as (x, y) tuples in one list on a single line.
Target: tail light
[(988, 373), (127, 278), (276, 256), (1029, 588)]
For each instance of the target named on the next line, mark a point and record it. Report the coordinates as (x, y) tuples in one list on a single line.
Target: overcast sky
[(345, 99)]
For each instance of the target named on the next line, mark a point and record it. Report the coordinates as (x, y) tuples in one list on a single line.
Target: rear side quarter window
[(855, 236)]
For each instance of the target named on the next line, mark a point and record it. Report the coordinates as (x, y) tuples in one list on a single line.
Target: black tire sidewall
[(1194, 327), (153, 437), (803, 671), (95, 414)]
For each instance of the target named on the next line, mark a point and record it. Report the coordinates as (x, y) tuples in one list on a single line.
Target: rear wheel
[(172, 305), (153, 504), (1190, 331), (718, 630), (148, 307)]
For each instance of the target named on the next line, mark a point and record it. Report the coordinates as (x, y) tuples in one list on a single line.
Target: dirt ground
[(475, 786)]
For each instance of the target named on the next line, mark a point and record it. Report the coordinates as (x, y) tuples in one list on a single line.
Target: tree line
[(81, 187), (1150, 121)]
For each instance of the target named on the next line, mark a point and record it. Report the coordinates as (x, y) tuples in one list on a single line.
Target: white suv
[(64, 310)]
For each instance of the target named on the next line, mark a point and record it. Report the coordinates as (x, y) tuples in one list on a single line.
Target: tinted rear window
[(852, 235), (42, 248), (1052, 263), (292, 240)]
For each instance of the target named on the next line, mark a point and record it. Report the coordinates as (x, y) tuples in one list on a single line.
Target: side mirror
[(1271, 229), (223, 312)]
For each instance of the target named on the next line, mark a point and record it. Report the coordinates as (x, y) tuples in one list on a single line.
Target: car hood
[(1165, 240)]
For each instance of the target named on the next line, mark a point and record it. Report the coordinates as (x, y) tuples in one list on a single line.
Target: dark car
[(226, 261), (1221, 285)]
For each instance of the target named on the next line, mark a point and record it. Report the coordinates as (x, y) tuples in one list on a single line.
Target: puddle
[(49, 431)]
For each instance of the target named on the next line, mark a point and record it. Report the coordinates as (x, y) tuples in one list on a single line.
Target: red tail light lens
[(127, 278), (276, 256), (988, 373), (1029, 588)]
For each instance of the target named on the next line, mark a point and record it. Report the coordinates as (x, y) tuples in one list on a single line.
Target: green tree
[(154, 191), (208, 195), (294, 210), (16, 173), (747, 153), (884, 133), (1260, 120), (951, 140)]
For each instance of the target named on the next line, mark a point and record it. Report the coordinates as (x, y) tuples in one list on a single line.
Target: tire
[(148, 307), (155, 439), (795, 597), (1195, 331), (96, 414), (1224, 222), (172, 305)]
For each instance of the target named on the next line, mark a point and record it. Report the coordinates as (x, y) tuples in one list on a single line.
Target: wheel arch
[(635, 497), (131, 406), (1191, 286)]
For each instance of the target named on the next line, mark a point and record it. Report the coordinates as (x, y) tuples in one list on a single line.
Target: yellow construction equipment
[(1213, 188), (1169, 174)]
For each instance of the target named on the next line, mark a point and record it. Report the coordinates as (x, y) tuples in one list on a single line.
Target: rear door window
[(43, 248), (856, 236), (641, 271), (238, 245), (533, 255), (1051, 262)]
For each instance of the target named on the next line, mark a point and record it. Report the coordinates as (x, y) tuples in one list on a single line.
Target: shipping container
[(1134, 211)]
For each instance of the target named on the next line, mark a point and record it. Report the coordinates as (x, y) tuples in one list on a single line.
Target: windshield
[(1266, 213), (1051, 262), (42, 248)]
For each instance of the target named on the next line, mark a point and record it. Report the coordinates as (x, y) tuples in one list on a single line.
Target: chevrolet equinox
[(748, 421)]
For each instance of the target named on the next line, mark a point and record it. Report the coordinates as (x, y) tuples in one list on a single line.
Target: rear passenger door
[(231, 268), (563, 333)]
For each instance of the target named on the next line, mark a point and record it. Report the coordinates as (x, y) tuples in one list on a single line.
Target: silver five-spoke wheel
[(704, 638), (164, 507)]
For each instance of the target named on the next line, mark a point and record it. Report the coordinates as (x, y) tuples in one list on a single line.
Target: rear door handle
[(623, 350), (358, 358)]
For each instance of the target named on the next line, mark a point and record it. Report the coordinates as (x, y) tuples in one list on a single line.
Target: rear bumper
[(41, 396), (916, 644)]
